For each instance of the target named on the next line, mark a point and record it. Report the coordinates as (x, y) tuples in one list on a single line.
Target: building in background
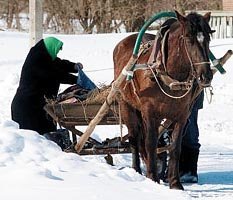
[(227, 5)]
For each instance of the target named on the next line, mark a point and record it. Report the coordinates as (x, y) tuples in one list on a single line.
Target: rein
[(170, 82), (167, 80), (173, 84), (164, 92)]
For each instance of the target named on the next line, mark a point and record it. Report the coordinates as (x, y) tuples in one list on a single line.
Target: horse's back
[(124, 50)]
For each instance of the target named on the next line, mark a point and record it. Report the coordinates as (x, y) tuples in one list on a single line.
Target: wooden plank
[(224, 26), (214, 26), (230, 25), (218, 23), (78, 110), (211, 22), (77, 114), (94, 151), (80, 133), (215, 13), (82, 122)]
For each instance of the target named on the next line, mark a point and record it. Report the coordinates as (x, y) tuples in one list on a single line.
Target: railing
[(221, 22)]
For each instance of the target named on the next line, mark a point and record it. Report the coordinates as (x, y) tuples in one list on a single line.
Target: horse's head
[(193, 41)]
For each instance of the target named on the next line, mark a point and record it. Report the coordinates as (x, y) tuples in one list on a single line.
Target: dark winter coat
[(40, 79)]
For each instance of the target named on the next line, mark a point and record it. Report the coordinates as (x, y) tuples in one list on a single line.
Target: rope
[(120, 121), (190, 60), (144, 48), (84, 110), (96, 70), (163, 49), (160, 87), (192, 73), (135, 91), (63, 111), (201, 63)]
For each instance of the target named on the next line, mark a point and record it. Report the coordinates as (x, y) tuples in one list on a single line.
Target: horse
[(177, 69)]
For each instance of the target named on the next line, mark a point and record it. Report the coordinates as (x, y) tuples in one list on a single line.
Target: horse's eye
[(200, 37)]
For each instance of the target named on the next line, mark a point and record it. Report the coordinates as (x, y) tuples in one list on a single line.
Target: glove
[(78, 66)]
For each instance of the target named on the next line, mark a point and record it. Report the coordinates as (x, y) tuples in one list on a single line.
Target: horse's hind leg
[(151, 140), (131, 118)]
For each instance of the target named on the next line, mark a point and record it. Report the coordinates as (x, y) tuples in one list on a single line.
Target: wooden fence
[(222, 23)]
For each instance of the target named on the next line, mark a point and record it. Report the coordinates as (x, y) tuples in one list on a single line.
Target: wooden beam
[(35, 21)]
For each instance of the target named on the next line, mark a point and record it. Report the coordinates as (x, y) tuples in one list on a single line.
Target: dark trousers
[(191, 134), (190, 145)]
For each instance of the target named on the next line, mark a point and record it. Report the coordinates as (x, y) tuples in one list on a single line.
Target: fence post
[(35, 21)]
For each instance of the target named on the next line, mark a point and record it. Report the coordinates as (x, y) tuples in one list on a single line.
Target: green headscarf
[(53, 46)]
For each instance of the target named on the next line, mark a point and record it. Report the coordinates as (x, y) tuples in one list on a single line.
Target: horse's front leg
[(133, 121), (174, 153), (151, 139)]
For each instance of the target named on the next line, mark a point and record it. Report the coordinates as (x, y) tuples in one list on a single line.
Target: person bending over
[(41, 75)]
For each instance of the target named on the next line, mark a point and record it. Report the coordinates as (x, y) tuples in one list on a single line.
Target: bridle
[(192, 74), (192, 64), (159, 75)]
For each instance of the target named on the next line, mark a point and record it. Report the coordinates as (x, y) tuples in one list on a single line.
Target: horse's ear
[(207, 16), (180, 17)]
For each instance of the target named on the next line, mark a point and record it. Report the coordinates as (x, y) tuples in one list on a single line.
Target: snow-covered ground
[(32, 167)]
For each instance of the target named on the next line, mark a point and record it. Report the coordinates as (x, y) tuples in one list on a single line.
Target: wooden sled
[(72, 115)]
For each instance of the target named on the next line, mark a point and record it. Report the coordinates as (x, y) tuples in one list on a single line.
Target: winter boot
[(61, 137), (190, 174)]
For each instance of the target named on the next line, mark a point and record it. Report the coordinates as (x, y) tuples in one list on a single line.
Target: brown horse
[(179, 55)]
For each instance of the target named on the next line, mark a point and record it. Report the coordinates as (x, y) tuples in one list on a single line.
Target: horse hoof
[(153, 178), (138, 170), (177, 186)]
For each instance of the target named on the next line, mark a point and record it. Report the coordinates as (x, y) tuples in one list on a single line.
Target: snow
[(33, 167)]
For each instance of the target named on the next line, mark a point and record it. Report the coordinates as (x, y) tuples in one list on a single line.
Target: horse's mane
[(199, 24)]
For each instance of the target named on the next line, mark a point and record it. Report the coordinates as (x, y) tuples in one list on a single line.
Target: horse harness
[(157, 60)]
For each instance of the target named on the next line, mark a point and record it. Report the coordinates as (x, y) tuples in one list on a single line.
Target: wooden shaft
[(223, 59), (227, 55), (105, 107)]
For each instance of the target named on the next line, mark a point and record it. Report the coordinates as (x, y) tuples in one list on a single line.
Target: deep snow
[(33, 167)]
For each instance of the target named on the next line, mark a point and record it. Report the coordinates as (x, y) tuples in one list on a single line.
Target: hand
[(78, 66)]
